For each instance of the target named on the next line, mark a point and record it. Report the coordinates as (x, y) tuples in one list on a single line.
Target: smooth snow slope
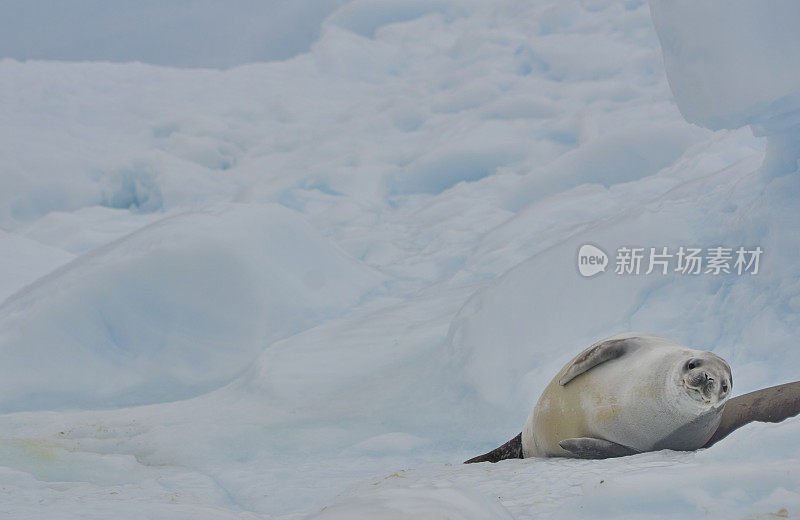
[(327, 281), (114, 326)]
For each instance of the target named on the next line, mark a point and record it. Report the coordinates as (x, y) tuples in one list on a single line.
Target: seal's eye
[(724, 387), (691, 365)]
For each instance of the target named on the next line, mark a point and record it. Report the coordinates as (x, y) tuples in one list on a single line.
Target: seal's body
[(627, 394)]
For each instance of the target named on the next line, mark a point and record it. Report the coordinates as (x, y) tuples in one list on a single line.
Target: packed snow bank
[(179, 33), (176, 308), (736, 63), (730, 61)]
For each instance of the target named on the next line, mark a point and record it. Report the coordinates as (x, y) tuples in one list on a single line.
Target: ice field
[(311, 287)]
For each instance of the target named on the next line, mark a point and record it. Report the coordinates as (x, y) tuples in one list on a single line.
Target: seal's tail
[(510, 450)]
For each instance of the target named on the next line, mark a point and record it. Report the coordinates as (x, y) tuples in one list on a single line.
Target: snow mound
[(177, 308), (735, 63), (729, 61)]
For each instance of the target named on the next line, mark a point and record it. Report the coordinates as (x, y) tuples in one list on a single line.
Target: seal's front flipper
[(600, 353), (591, 448)]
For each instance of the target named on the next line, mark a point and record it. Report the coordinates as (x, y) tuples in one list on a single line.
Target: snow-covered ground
[(315, 286)]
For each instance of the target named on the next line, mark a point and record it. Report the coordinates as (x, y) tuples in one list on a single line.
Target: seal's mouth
[(696, 393)]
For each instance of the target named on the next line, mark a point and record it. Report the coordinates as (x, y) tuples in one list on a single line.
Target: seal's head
[(706, 378)]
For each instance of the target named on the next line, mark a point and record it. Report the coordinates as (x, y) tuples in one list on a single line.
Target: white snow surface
[(734, 62), (312, 287), (113, 327), (179, 33), (731, 62)]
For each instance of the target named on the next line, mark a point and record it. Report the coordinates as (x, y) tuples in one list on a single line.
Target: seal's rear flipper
[(591, 448), (510, 450), (772, 404)]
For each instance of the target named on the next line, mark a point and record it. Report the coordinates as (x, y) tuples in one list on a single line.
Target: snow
[(736, 63), (313, 286), (24, 260), (435, 501), (733, 480), (180, 33), (729, 63), (113, 327)]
